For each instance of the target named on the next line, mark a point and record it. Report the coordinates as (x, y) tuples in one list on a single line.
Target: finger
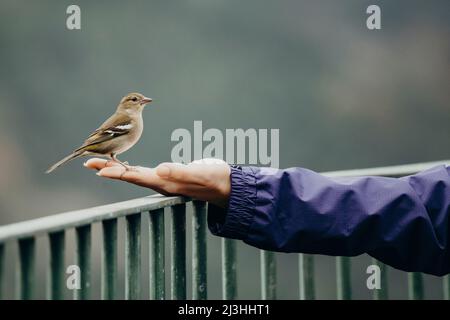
[(98, 164), (141, 176), (119, 172), (180, 173)]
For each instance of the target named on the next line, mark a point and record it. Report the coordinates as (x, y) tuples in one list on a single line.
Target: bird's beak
[(146, 100)]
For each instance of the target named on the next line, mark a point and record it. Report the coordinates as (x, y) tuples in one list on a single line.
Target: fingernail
[(85, 164), (99, 173)]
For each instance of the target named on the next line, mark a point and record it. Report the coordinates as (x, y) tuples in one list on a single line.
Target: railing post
[(157, 255), (56, 269), (382, 293), (178, 279), (415, 286), (2, 255), (83, 260), (26, 269), (343, 276), (268, 275), (109, 259), (133, 257), (306, 276), (229, 277), (199, 257), (446, 287)]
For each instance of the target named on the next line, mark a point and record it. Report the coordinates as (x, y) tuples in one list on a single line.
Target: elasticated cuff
[(234, 221)]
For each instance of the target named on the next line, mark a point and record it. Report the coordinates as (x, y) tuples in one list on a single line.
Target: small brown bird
[(116, 135)]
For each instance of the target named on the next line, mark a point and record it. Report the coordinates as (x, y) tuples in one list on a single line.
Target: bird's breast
[(132, 137)]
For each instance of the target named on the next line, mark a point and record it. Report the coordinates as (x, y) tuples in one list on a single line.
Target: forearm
[(403, 222)]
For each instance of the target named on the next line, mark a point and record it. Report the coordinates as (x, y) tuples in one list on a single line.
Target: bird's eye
[(134, 99)]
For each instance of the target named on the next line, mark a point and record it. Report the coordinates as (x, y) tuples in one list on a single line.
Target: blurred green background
[(342, 96)]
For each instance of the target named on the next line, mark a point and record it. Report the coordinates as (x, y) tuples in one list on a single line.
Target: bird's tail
[(71, 156)]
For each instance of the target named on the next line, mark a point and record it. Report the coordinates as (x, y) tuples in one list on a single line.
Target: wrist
[(223, 186)]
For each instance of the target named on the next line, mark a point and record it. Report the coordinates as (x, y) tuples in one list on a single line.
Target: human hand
[(206, 179)]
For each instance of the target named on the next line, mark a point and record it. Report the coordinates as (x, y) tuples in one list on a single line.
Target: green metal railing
[(55, 227)]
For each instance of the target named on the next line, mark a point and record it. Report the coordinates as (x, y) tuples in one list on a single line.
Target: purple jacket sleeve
[(403, 222)]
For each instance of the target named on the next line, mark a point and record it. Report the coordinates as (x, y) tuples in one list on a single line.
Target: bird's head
[(133, 102)]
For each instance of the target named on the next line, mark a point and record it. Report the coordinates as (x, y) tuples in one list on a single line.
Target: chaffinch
[(116, 135)]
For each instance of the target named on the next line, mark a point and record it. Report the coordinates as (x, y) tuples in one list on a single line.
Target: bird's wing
[(115, 126)]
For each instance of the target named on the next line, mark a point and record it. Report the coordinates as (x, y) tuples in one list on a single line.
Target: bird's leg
[(124, 164), (115, 161)]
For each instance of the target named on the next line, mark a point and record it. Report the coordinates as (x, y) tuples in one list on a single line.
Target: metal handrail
[(389, 171), (76, 218)]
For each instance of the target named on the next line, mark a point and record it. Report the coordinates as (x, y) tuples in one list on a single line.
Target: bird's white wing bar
[(124, 127), (120, 129)]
